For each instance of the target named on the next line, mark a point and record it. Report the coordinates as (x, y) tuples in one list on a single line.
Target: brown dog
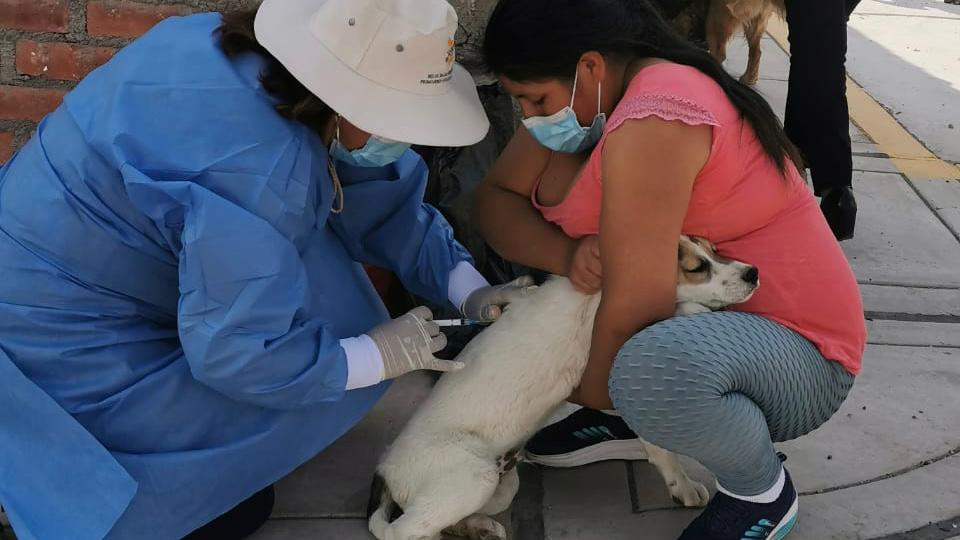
[(723, 17)]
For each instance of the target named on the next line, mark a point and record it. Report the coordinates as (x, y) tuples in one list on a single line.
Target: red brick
[(61, 61), (23, 103), (127, 19), (6, 145), (35, 15)]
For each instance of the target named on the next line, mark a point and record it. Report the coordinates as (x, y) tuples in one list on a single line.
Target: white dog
[(451, 466)]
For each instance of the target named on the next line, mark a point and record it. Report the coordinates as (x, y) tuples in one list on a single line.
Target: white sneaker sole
[(625, 449), (787, 523)]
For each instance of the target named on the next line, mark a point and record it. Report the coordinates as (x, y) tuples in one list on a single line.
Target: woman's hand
[(487, 303), (585, 272)]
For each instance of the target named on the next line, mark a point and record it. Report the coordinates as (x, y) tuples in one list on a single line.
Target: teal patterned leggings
[(721, 388)]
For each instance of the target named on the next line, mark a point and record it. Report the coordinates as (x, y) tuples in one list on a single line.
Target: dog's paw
[(690, 493), (494, 532), (479, 527)]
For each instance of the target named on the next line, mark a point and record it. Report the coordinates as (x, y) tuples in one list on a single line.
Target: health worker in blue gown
[(184, 317)]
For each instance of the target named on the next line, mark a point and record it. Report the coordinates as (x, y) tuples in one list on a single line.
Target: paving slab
[(944, 197), (916, 333), (873, 164), (885, 507), (320, 529), (867, 148), (336, 483), (589, 503), (906, 301), (904, 54), (774, 63), (901, 412), (899, 240), (775, 92)]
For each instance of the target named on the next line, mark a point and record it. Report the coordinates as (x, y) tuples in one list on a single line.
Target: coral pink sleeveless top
[(742, 204)]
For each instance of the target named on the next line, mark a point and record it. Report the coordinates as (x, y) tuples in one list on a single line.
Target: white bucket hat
[(387, 66)]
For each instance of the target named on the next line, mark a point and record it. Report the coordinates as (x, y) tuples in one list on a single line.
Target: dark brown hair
[(296, 102)]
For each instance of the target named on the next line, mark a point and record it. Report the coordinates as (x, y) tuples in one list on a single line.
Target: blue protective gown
[(173, 287)]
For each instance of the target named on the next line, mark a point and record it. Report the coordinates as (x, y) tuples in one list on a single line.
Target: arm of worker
[(385, 223), (243, 293)]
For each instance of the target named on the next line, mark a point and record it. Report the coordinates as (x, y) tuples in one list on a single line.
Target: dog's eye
[(702, 267)]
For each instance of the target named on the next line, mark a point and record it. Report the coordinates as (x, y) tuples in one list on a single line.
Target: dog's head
[(703, 277)]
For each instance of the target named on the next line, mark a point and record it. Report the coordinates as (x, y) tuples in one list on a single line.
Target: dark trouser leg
[(817, 117), (240, 522)]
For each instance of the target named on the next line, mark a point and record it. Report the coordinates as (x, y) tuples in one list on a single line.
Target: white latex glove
[(408, 342), (486, 303)]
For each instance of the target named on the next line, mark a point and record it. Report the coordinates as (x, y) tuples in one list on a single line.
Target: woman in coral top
[(631, 138)]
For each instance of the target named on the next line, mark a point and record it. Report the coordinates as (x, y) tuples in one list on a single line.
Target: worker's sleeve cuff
[(364, 362), (464, 279)]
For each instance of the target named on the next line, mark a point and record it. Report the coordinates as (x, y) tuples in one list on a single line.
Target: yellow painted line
[(905, 151)]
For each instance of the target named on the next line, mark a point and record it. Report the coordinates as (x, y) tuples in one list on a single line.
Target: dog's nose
[(751, 275)]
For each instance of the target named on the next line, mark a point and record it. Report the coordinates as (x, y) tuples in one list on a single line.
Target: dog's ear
[(704, 243), (689, 255)]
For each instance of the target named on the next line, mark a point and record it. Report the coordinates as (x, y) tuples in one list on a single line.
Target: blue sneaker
[(586, 436), (726, 518)]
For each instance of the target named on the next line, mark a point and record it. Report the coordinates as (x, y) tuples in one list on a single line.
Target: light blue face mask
[(377, 152), (562, 132)]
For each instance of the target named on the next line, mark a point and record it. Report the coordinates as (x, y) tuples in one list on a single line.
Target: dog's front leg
[(690, 308)]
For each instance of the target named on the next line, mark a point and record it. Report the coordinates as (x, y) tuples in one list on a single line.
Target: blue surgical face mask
[(562, 132), (377, 152)]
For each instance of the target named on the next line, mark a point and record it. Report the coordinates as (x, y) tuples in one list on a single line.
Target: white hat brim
[(455, 118)]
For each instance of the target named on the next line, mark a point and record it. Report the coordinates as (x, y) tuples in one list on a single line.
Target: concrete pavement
[(906, 54)]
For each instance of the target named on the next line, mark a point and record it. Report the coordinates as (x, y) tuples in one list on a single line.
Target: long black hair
[(535, 40), (295, 102)]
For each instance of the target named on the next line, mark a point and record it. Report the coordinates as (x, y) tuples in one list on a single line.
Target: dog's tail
[(381, 507)]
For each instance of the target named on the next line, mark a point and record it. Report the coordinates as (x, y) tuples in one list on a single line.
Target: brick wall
[(46, 46)]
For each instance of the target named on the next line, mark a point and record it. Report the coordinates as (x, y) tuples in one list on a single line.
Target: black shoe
[(839, 207), (586, 436), (727, 518)]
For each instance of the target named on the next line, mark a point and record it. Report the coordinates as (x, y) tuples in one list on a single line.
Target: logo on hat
[(451, 52), (439, 78)]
